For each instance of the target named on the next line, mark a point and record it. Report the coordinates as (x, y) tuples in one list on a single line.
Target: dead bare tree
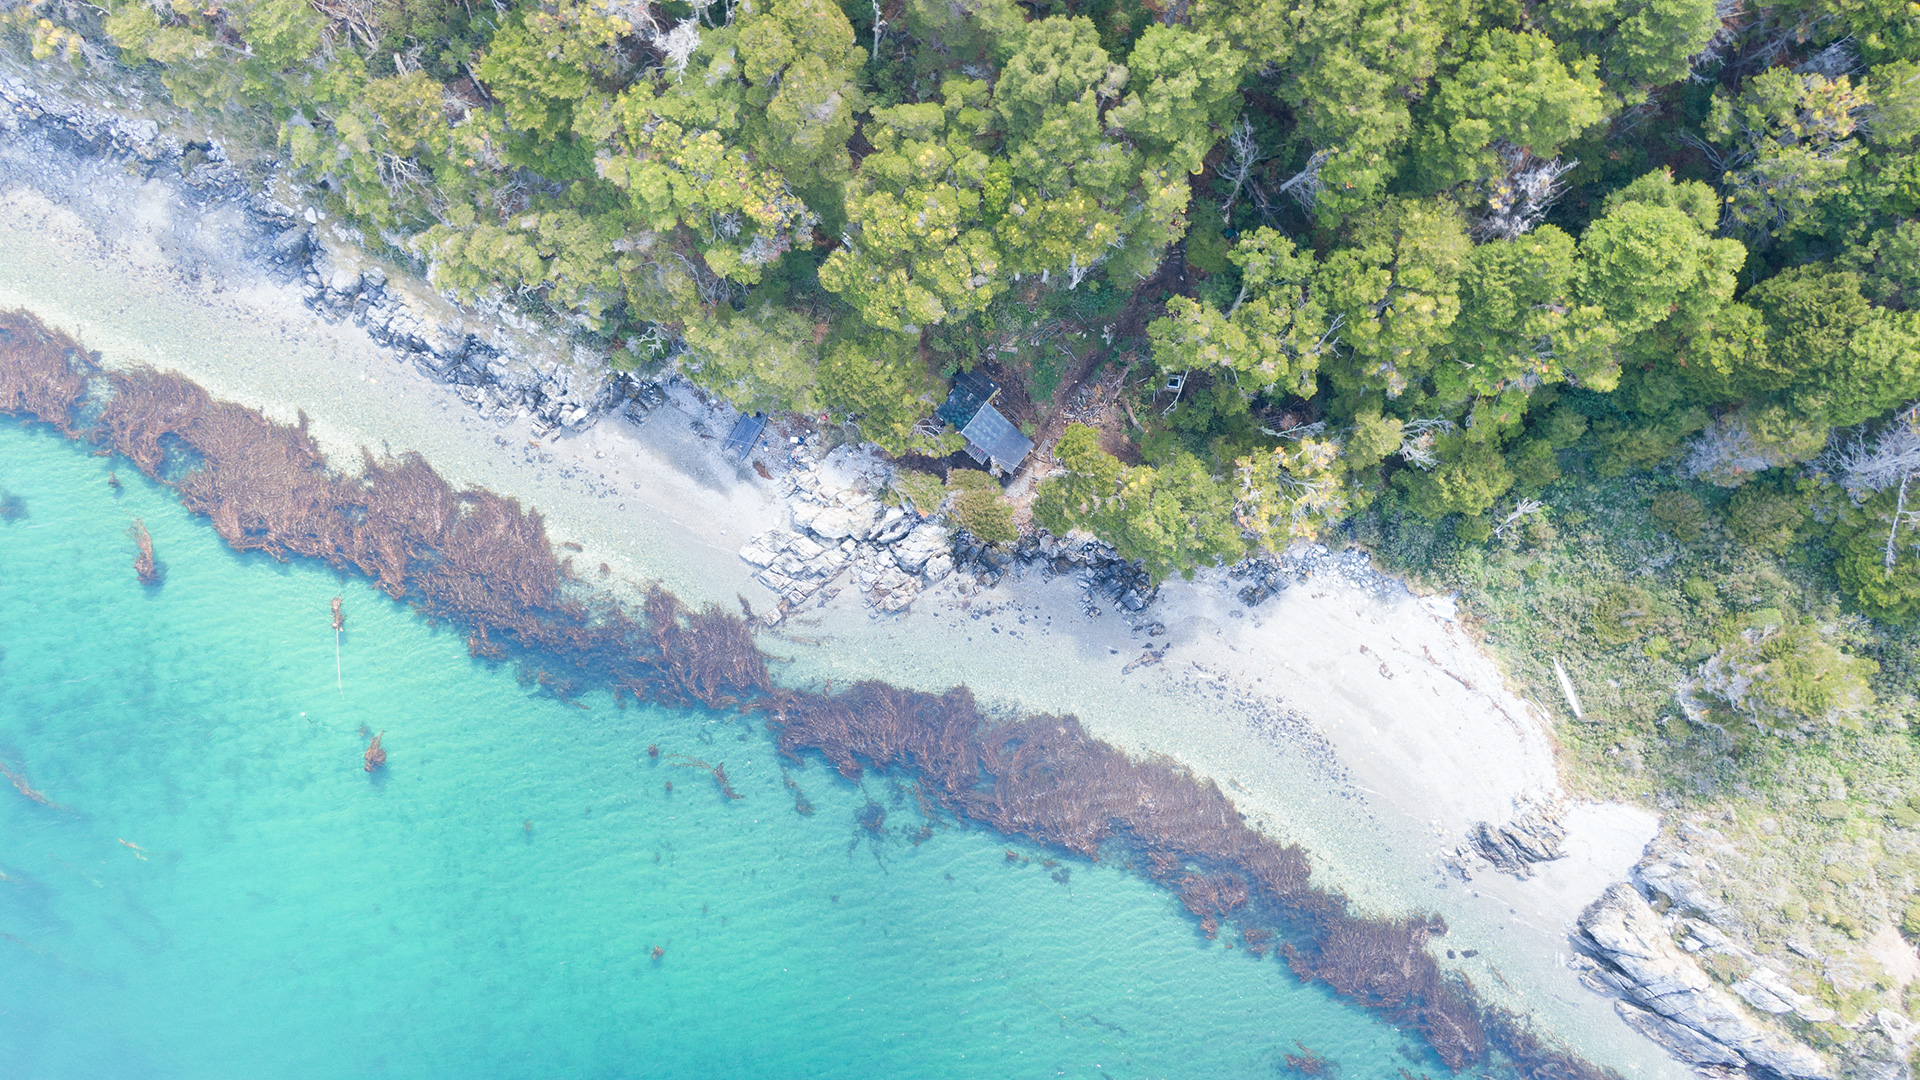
[(1297, 431), (1245, 153), (678, 44), (1892, 459), (1304, 185), (1077, 273), (360, 18), (1526, 507), (1840, 58), (1732, 15), (1416, 440), (1521, 196)]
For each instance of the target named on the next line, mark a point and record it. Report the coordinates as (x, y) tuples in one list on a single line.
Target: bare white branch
[(1526, 507), (1305, 185), (1521, 197)]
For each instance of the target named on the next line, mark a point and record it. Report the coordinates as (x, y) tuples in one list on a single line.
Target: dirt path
[(1061, 411)]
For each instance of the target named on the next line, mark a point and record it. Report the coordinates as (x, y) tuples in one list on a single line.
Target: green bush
[(1685, 519), (977, 507), (1886, 592), (1764, 518), (1789, 677), (921, 489)]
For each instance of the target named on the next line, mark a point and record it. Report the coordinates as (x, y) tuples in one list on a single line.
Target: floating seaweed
[(719, 772), (19, 781), (1306, 1062), (376, 754), (479, 559), (1509, 1032), (801, 804), (43, 374), (143, 564)]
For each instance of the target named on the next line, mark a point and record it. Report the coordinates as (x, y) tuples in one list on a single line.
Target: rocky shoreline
[(848, 520), (476, 354)]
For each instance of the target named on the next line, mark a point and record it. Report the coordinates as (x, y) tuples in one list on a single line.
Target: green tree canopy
[(1640, 43), (1171, 518), (877, 381), (1396, 289), (1831, 352), (1514, 90), (1651, 258), (1520, 322), (1183, 88), (1274, 335), (921, 245)]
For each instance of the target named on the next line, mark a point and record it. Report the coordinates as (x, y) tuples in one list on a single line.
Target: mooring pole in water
[(339, 623)]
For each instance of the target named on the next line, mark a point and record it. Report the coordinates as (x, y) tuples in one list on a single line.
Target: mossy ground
[(1813, 838)]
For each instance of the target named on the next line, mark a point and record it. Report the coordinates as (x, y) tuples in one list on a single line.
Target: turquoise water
[(488, 906)]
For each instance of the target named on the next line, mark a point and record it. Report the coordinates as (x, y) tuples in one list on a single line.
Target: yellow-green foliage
[(877, 381), (761, 359), (978, 507), (924, 491), (1790, 676)]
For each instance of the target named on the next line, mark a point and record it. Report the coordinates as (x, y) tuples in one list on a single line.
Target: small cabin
[(746, 432), (990, 436)]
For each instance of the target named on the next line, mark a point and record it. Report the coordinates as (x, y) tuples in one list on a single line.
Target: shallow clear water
[(487, 907)]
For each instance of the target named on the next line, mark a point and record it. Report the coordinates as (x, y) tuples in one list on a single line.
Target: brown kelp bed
[(482, 561)]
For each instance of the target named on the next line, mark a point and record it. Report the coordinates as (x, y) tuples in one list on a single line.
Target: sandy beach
[(1345, 714)]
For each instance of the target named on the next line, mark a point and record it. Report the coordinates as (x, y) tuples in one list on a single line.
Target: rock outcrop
[(1533, 836), (840, 526), (1674, 1000), (843, 528)]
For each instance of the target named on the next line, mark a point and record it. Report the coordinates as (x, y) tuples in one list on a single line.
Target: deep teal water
[(488, 906)]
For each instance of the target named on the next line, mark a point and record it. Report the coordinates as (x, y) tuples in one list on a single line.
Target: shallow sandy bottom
[(1375, 760)]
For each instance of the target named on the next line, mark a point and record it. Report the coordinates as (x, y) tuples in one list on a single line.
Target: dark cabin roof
[(990, 436), (746, 431), (971, 392)]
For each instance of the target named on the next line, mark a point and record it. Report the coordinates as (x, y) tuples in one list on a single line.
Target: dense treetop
[(1416, 257)]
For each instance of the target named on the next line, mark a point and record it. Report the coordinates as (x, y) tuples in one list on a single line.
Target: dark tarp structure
[(990, 436), (746, 431)]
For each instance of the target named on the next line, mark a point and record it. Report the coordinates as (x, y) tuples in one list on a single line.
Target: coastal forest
[(1341, 259), (1604, 313), (1349, 257)]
